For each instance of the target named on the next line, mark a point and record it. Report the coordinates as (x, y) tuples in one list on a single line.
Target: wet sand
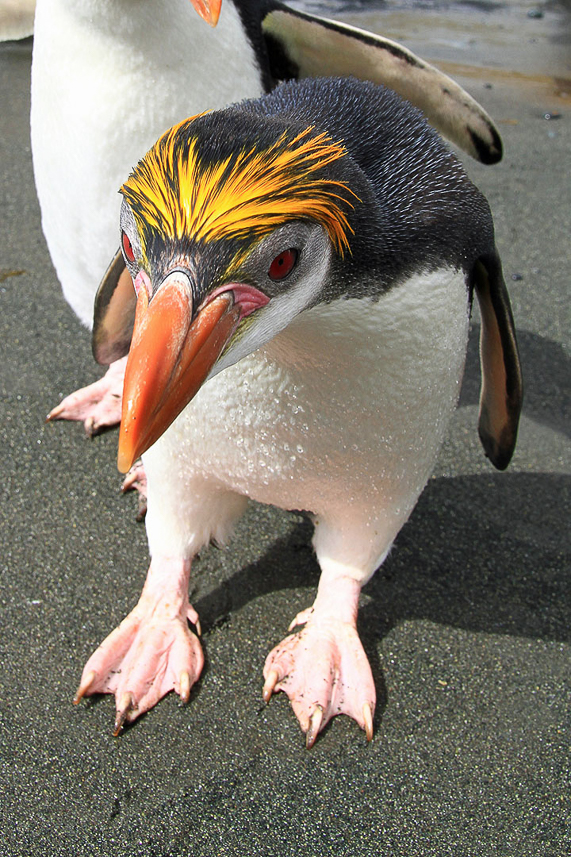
[(467, 625)]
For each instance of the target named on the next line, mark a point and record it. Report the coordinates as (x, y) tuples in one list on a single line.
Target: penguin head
[(230, 227)]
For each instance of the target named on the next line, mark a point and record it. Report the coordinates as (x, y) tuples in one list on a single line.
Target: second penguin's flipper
[(502, 391), (302, 45)]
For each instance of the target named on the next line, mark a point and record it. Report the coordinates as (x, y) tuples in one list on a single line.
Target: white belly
[(108, 77), (342, 414)]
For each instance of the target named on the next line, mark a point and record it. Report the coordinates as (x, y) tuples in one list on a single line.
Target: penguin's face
[(227, 236), (194, 319)]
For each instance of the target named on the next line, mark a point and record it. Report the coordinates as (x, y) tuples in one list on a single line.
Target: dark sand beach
[(467, 625)]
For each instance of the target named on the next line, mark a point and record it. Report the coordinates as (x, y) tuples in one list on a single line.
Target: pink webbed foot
[(98, 405), (153, 651), (323, 669)]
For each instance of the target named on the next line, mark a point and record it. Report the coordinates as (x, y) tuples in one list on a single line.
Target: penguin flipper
[(303, 45), (114, 313), (501, 392)]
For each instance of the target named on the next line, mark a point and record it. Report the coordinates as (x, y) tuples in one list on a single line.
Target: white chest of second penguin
[(107, 78), (347, 406)]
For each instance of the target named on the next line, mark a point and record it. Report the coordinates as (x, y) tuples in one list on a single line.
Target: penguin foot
[(136, 480), (324, 671), (98, 405), (153, 651)]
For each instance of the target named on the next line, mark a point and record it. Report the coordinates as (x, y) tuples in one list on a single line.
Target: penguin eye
[(127, 247), (283, 264)]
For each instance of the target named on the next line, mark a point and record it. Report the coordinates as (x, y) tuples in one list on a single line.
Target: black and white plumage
[(109, 77), (303, 287)]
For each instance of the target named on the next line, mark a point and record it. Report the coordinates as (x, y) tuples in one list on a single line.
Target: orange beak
[(209, 10), (171, 355)]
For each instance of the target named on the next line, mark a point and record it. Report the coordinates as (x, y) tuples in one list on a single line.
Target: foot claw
[(184, 683), (368, 718), (136, 480), (54, 413), (269, 685), (315, 722), (84, 686), (192, 617), (141, 509), (124, 708)]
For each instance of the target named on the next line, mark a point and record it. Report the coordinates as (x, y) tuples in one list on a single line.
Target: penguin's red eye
[(127, 248), (283, 264)]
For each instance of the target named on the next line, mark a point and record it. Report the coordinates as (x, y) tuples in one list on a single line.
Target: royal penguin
[(303, 268), (109, 77)]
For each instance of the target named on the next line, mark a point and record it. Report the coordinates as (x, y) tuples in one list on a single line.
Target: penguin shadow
[(546, 377), (486, 553)]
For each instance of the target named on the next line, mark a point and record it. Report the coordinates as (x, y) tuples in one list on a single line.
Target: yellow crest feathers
[(176, 193)]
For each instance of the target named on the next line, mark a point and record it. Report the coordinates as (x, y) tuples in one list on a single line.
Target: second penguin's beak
[(170, 357), (209, 10)]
